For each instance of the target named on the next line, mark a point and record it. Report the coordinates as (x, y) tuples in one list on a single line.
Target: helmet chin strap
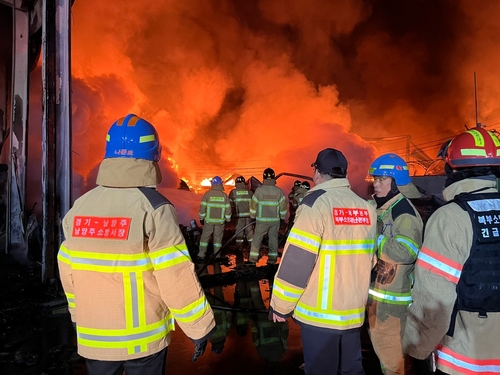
[(394, 187)]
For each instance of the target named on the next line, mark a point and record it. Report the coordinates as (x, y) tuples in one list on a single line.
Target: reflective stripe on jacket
[(473, 348), (215, 207), (240, 198), (126, 271), (268, 203), (324, 275)]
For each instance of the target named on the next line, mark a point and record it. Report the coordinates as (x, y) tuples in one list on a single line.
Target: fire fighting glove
[(199, 350), (385, 272), (202, 221)]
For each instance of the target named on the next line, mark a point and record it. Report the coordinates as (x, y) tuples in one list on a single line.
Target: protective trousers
[(217, 230), (247, 232), (261, 229), (154, 364), (386, 329), (331, 351)]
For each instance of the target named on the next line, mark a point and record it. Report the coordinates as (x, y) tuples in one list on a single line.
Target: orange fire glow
[(235, 87)]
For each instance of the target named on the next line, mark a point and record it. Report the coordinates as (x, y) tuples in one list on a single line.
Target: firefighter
[(124, 265), (240, 198), (268, 208), (324, 275), (455, 314), (215, 210), (291, 207), (400, 231), (300, 193)]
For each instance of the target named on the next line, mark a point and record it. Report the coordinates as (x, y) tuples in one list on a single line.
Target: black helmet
[(240, 179), (268, 174), (306, 185), (296, 183)]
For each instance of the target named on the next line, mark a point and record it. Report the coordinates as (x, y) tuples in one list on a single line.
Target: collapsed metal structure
[(34, 31)]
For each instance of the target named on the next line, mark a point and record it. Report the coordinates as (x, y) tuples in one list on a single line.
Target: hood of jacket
[(468, 185), (270, 182), (128, 172)]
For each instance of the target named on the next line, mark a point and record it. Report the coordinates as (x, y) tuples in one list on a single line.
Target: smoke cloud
[(238, 86)]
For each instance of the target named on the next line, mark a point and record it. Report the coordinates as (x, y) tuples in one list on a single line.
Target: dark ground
[(36, 335)]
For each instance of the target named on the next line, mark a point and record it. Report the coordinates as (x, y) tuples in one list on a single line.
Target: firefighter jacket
[(400, 231), (240, 198), (268, 203), (215, 207), (473, 348), (125, 267), (324, 275)]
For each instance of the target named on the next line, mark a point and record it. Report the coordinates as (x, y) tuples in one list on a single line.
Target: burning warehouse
[(232, 88)]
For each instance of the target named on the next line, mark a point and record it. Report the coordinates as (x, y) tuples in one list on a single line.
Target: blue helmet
[(391, 165), (133, 137), (216, 180)]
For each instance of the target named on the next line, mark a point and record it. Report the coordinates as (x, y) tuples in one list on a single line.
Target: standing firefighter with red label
[(455, 314), (124, 265), (324, 276)]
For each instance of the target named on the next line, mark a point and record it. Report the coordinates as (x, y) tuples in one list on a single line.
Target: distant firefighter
[(300, 193), (268, 207), (215, 210), (240, 198), (291, 207), (124, 264)]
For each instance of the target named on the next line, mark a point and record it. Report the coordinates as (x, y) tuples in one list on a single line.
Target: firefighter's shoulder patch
[(155, 198), (310, 198)]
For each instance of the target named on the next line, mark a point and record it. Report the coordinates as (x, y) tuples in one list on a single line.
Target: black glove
[(199, 350), (202, 221), (282, 223)]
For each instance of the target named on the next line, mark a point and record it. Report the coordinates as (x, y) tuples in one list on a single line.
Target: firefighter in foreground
[(240, 198), (215, 210), (455, 314), (400, 231), (268, 208), (324, 275), (124, 265)]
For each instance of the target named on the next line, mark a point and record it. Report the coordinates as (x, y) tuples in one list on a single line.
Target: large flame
[(234, 87)]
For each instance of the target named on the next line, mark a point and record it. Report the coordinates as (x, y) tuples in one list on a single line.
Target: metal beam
[(56, 128), (15, 231), (7, 2)]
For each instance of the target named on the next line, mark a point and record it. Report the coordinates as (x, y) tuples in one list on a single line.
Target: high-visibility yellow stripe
[(473, 152), (478, 138), (495, 139), (334, 318), (141, 300), (192, 311), (127, 296), (147, 138), (304, 240)]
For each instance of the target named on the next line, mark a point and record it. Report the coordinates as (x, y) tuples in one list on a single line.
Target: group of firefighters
[(429, 293), (267, 206)]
